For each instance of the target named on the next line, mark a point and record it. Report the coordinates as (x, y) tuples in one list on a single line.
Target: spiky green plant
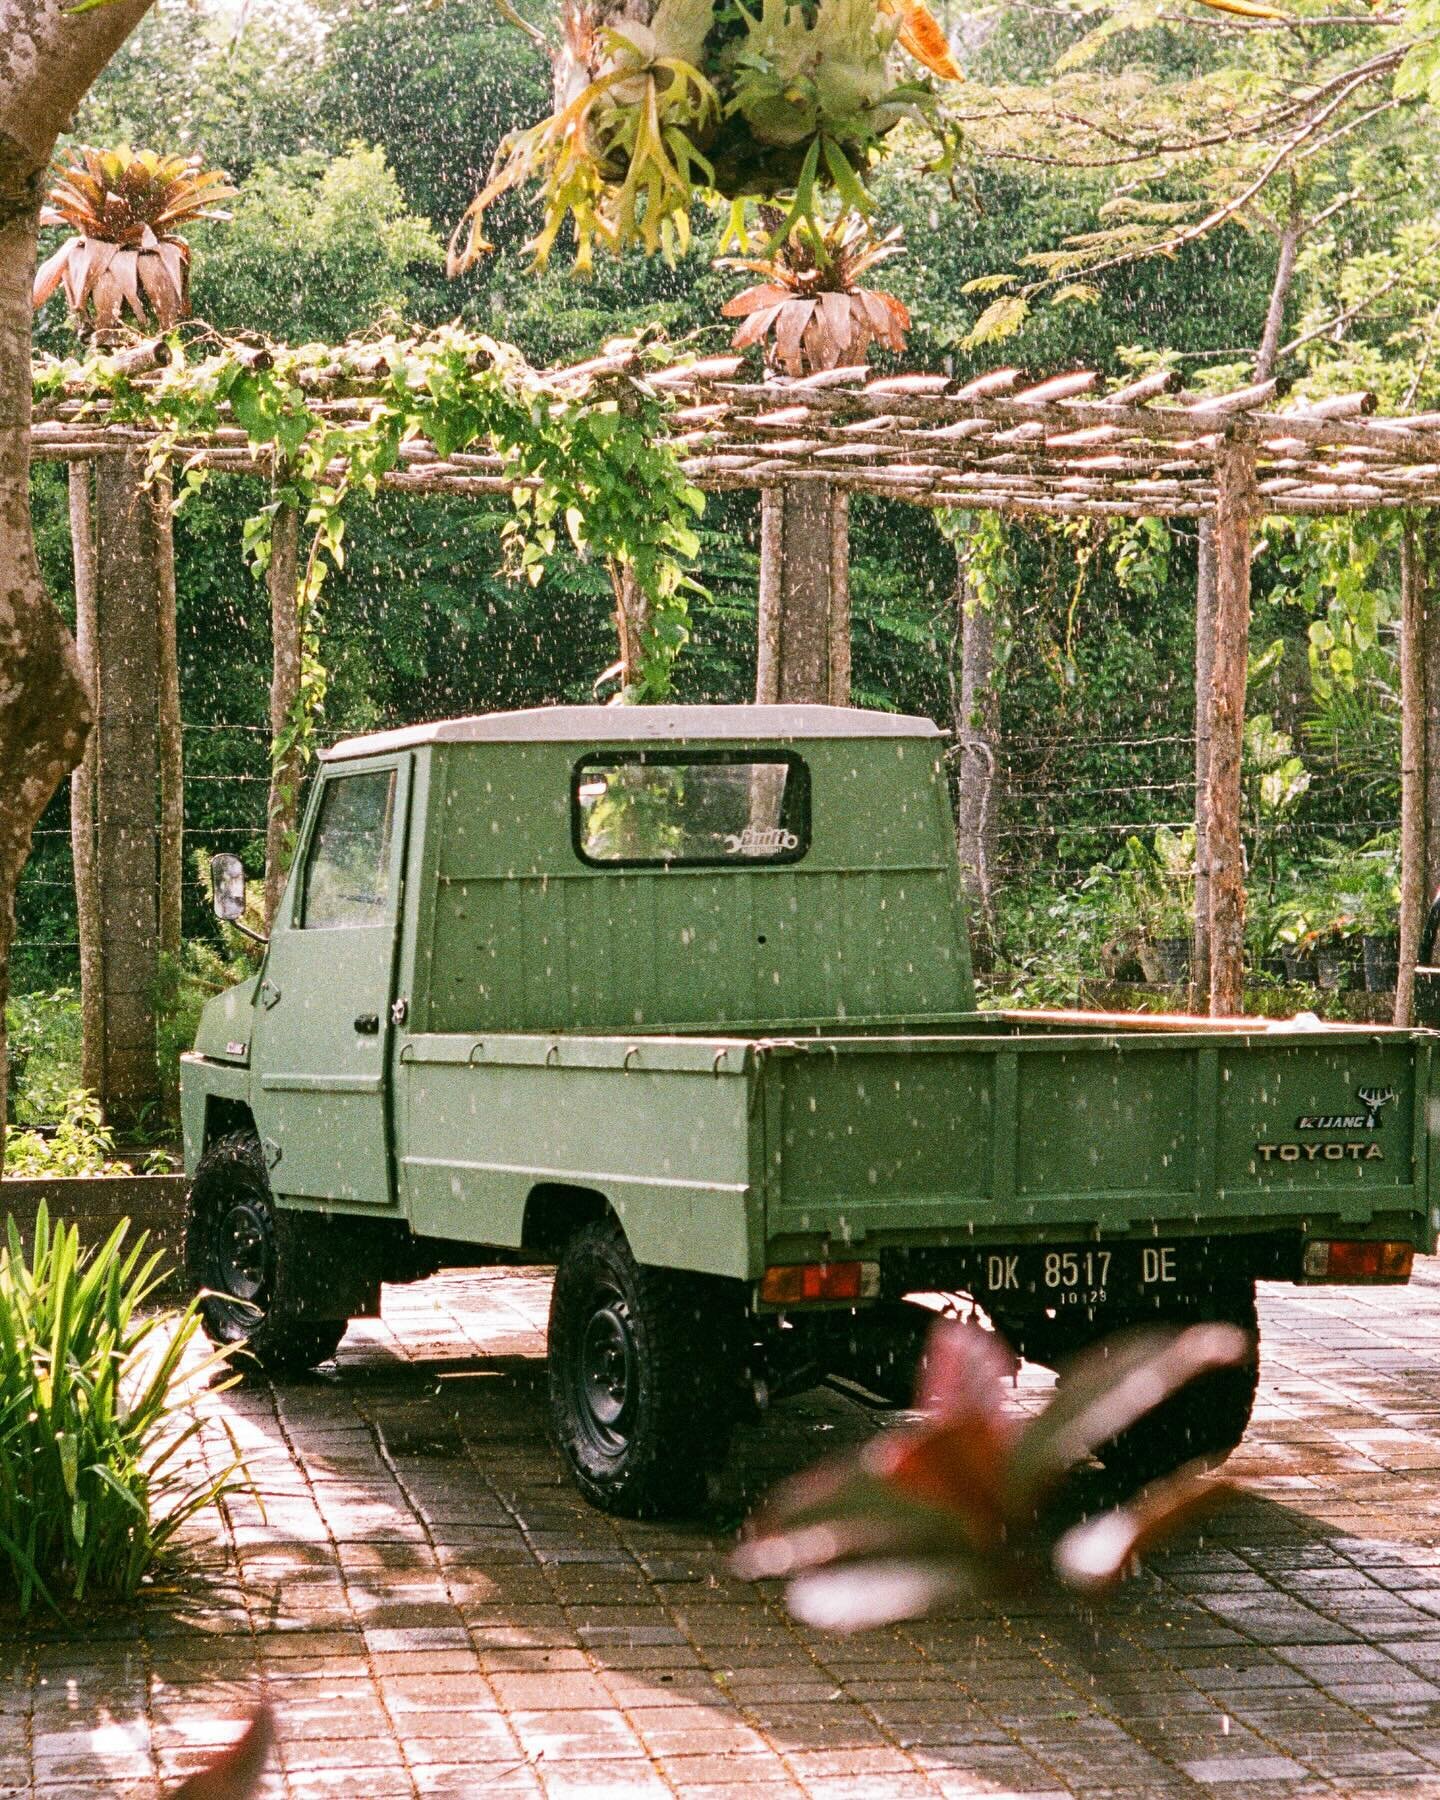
[(99, 1464)]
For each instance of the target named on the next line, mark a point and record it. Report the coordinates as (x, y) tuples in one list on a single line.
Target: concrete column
[(127, 782), (804, 636)]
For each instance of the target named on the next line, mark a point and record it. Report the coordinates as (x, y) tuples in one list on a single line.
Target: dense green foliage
[(98, 1453), (357, 131)]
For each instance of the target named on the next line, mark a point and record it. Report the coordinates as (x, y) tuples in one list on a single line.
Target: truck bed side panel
[(483, 1124)]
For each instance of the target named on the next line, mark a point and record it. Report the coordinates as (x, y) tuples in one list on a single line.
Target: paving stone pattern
[(434, 1612)]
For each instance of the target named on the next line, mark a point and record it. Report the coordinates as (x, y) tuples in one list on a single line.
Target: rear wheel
[(1209, 1416), (240, 1251), (640, 1382), (883, 1350)]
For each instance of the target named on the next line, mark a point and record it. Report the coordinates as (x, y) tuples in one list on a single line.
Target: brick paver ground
[(434, 1611)]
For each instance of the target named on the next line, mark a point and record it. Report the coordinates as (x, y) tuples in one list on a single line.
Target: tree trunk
[(283, 579), (1205, 605), (1204, 672), (1268, 353), (82, 785), (1235, 510), (172, 748), (975, 706), (127, 783), (49, 55), (804, 635)]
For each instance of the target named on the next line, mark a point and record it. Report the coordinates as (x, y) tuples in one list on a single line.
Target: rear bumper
[(1130, 1275)]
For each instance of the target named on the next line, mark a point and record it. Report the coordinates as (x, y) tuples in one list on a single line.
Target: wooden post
[(1235, 509), (975, 706), (282, 580), (804, 634), (82, 787), (127, 655), (1419, 748), (1204, 673), (172, 750)]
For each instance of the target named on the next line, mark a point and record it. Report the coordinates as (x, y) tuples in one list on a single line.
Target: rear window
[(667, 809)]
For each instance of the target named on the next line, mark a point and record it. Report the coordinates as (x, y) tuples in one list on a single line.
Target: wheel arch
[(555, 1210), (224, 1117)]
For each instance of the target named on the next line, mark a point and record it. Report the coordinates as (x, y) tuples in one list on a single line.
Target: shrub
[(44, 1033), (81, 1144), (99, 1464)]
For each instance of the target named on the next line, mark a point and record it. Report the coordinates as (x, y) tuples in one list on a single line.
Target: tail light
[(800, 1284), (1337, 1260)]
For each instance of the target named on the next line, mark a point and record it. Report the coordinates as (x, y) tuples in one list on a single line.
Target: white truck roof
[(640, 725)]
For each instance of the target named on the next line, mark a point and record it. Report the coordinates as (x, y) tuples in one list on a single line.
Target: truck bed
[(731, 1153)]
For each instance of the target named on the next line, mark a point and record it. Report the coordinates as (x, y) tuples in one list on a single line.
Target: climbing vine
[(587, 461)]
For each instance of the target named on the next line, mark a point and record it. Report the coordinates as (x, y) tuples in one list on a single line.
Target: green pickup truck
[(679, 999)]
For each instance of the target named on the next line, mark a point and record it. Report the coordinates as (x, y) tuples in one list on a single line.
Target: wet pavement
[(433, 1610)]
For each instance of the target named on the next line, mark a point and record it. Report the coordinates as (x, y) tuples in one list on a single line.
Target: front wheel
[(238, 1252), (639, 1380)]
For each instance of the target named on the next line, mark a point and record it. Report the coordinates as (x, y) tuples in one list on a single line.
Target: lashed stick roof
[(1062, 446)]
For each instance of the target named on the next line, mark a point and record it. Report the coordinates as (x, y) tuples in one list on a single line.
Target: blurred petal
[(1095, 1555), (859, 1596), (1106, 1389)]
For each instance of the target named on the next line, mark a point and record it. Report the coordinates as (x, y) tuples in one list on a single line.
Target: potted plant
[(1362, 937), (1164, 877)]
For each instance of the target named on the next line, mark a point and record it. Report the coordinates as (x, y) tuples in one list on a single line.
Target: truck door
[(324, 1021)]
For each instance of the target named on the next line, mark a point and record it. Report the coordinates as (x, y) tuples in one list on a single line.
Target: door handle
[(368, 1024)]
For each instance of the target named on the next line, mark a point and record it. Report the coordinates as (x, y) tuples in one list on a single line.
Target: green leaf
[(1001, 319)]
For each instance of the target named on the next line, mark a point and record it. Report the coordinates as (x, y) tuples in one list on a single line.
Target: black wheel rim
[(243, 1262), (604, 1373)]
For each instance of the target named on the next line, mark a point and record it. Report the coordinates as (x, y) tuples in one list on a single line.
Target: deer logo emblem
[(1373, 1099)]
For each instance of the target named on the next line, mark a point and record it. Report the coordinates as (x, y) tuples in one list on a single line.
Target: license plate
[(1091, 1276)]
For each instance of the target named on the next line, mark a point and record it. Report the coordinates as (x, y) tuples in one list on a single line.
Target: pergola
[(1064, 447)]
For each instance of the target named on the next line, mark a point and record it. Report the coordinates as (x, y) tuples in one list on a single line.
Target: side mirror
[(227, 880)]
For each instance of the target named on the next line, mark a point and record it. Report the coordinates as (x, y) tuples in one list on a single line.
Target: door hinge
[(399, 1012), (272, 1150), (269, 993)]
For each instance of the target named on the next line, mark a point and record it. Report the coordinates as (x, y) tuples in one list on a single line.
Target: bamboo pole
[(171, 747), (282, 812), (1414, 825), (1204, 675), (1234, 519)]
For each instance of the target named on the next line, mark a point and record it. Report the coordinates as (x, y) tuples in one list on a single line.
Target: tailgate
[(940, 1140)]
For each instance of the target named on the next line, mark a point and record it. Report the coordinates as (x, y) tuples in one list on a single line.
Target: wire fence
[(1039, 809)]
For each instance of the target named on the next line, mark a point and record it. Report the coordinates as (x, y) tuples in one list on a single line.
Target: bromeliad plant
[(960, 1505), (809, 310), (99, 1464), (659, 104), (123, 207)]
